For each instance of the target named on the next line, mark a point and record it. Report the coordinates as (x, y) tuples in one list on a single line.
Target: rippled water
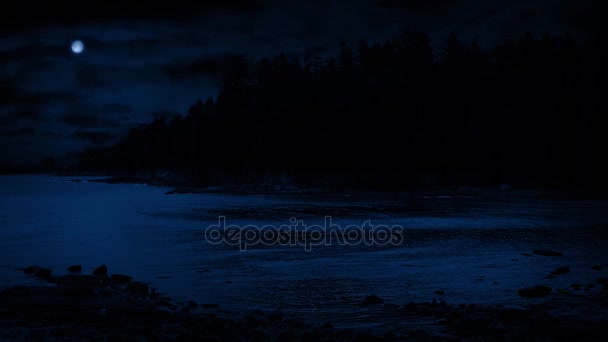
[(467, 244)]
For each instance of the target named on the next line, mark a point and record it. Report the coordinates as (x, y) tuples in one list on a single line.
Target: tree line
[(530, 111)]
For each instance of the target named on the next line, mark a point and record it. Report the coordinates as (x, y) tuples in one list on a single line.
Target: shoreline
[(95, 306), (503, 190), (275, 187)]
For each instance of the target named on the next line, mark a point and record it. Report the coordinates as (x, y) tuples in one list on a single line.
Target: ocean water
[(468, 244)]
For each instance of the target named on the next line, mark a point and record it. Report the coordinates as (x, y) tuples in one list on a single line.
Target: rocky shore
[(102, 306)]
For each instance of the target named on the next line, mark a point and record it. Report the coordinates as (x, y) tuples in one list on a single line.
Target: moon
[(77, 46)]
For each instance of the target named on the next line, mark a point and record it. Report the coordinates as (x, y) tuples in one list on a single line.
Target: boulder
[(78, 291), (33, 269), (121, 278), (75, 268), (536, 291), (515, 315), (101, 271), (276, 315), (44, 273), (546, 252), (424, 310), (137, 288), (372, 300), (560, 270), (80, 280)]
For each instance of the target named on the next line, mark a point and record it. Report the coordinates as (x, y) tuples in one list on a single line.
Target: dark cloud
[(19, 131), (95, 137), (89, 77), (585, 16), (24, 114), (116, 108), (79, 120), (51, 134), (29, 14), (12, 95), (211, 66), (34, 51)]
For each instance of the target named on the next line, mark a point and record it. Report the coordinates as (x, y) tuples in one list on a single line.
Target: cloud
[(89, 77), (96, 137), (29, 14), (585, 16), (117, 108), (212, 66), (80, 120), (11, 94), (19, 131), (24, 114)]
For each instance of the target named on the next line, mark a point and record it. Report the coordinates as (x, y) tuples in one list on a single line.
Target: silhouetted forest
[(530, 112)]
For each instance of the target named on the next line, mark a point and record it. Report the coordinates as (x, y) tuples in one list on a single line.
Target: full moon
[(77, 46)]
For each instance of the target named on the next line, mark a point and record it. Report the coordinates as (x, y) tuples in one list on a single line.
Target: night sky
[(146, 59)]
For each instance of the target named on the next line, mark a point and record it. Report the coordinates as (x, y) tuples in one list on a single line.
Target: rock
[(391, 306), (83, 280), (33, 269), (596, 267), (602, 281), (164, 310), (412, 307), (44, 273), (440, 292), (457, 324), (210, 306), (576, 287), (514, 315), (561, 270), (137, 288), (327, 326), (165, 303), (78, 291), (75, 268), (546, 252), (101, 271), (372, 300), (424, 310), (16, 291), (536, 291), (276, 315), (121, 278), (192, 304)]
